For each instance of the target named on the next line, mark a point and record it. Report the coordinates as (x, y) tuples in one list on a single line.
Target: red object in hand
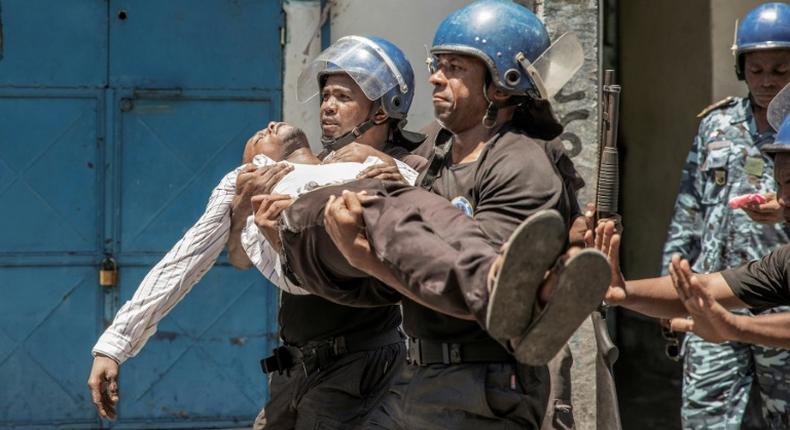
[(740, 201)]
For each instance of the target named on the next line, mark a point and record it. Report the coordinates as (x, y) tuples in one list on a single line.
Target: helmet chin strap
[(331, 144), (335, 144)]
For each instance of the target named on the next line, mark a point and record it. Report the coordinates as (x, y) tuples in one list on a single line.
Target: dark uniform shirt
[(512, 179), (762, 282), (305, 318)]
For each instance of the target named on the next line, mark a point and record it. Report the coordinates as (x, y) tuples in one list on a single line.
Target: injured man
[(195, 253)]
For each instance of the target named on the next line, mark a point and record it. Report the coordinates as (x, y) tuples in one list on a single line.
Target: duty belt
[(424, 352), (319, 354)]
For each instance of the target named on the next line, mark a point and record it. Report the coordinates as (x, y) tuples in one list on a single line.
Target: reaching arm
[(171, 279), (710, 320), (766, 329), (658, 298)]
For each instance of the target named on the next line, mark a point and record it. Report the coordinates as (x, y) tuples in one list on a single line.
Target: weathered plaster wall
[(577, 106), (302, 20)]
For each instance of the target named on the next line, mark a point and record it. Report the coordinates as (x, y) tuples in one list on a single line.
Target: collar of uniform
[(742, 112), (747, 114)]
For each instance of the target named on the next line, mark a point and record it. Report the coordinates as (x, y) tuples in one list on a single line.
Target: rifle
[(608, 183), (606, 200)]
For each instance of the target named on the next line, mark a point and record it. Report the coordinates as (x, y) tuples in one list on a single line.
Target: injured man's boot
[(518, 277)]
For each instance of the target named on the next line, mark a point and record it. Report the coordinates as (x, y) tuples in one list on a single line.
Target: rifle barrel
[(608, 182)]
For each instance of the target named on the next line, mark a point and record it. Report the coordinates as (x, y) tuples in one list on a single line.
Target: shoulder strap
[(438, 159), (728, 101)]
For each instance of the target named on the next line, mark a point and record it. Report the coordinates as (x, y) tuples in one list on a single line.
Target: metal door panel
[(174, 151), (50, 147), (48, 43), (47, 328), (79, 193), (228, 44), (201, 366), (48, 164)]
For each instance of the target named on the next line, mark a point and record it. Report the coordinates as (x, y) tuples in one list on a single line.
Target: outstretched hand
[(709, 319), (607, 240)]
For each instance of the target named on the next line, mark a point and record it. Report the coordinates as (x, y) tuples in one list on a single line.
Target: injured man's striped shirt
[(197, 251)]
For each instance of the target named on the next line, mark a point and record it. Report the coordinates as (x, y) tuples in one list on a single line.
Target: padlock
[(108, 273)]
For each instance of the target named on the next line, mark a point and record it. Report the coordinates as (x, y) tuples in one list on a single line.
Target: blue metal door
[(115, 125)]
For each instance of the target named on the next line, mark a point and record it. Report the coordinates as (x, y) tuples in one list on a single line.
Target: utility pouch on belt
[(278, 362)]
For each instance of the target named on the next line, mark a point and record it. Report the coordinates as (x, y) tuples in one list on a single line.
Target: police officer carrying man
[(491, 99), (725, 161), (337, 361)]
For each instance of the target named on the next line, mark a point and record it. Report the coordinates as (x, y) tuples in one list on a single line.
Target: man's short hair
[(294, 139)]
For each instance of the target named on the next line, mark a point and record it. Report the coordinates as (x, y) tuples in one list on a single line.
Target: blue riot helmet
[(765, 27), (381, 71), (782, 142), (514, 45), (779, 118)]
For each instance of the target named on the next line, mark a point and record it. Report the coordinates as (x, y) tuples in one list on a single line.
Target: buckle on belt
[(451, 353)]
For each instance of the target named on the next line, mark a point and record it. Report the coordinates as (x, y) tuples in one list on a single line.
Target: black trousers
[(439, 253), (474, 396), (338, 396)]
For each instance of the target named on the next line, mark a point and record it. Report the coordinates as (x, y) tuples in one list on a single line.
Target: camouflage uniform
[(724, 162)]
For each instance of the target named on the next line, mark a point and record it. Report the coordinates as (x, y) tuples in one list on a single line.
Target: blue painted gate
[(117, 118)]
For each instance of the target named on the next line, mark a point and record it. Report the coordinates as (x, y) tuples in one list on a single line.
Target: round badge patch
[(463, 204)]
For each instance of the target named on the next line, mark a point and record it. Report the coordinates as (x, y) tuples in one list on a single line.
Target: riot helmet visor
[(363, 60), (556, 65)]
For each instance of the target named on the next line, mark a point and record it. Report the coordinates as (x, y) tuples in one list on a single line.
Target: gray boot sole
[(533, 249), (580, 288)]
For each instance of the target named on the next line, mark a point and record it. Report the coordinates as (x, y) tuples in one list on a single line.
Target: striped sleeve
[(172, 278), (265, 258)]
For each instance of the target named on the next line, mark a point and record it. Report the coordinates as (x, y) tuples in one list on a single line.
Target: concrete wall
[(665, 65), (673, 65), (302, 43)]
